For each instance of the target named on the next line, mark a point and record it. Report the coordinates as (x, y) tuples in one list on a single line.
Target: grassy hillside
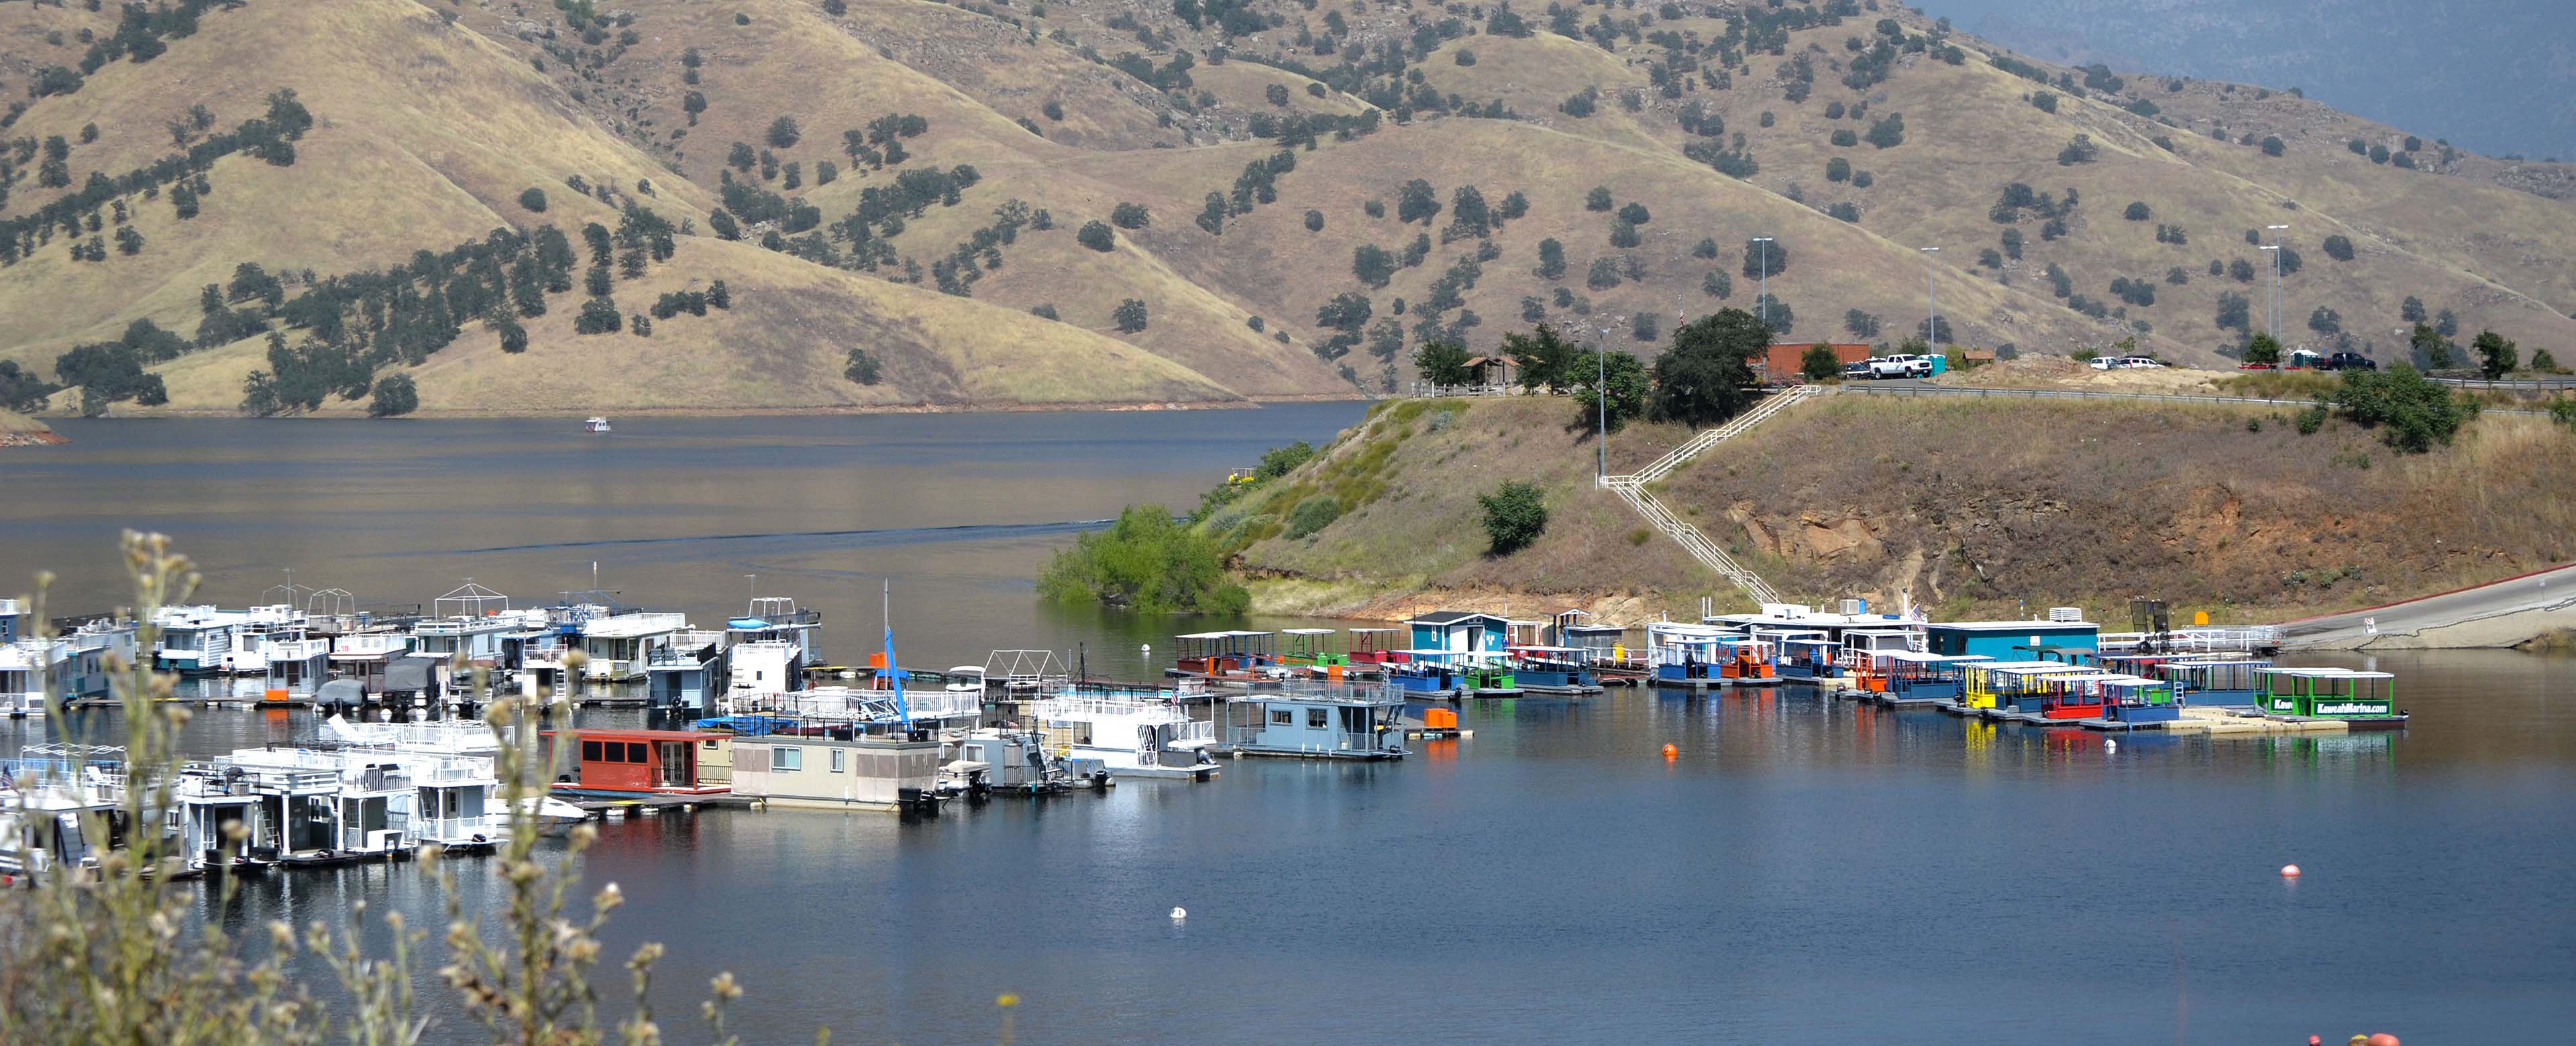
[(2215, 508), (430, 121), (1410, 535)]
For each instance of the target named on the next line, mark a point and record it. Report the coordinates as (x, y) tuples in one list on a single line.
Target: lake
[(1803, 871)]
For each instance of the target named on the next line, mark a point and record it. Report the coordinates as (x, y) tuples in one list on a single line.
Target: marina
[(1775, 793)]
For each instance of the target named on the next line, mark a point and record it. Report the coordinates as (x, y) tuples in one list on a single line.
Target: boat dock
[(2202, 719)]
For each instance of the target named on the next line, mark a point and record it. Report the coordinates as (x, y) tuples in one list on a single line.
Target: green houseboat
[(2364, 699)]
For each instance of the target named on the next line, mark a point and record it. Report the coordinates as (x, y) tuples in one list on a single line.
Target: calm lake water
[(1805, 871)]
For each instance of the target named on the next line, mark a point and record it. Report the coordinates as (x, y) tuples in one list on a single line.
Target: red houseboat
[(647, 762)]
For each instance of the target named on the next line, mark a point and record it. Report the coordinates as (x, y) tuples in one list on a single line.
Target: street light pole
[(2276, 279), (1764, 302), (1931, 306), (1601, 411)]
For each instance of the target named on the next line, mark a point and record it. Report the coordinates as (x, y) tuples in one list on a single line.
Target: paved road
[(2500, 614)]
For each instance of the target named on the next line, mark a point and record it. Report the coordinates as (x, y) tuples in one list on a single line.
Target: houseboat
[(627, 763), (1554, 670), (1810, 656), (1690, 655), (2365, 700), (1909, 676), (2137, 699), (68, 813), (326, 807), (594, 424), (1984, 683), (1320, 721), (852, 772), (2217, 682), (2010, 640), (1235, 657), (1004, 761), (207, 804), (1452, 674), (1132, 734), (1373, 646), (194, 640), (2036, 688)]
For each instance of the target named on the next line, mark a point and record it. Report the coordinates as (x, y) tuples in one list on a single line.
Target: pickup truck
[(2347, 361), (1901, 365)]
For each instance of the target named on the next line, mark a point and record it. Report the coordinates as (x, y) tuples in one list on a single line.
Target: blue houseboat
[(1319, 721), (1809, 657), (1460, 632), (2137, 699), (1916, 676), (1554, 669)]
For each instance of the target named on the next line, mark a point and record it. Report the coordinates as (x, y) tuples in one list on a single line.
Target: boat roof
[(2042, 668), (1555, 649), (593, 734), (2328, 673), (2027, 664), (1924, 658), (2009, 626), (1591, 628), (1306, 631), (1237, 634), (967, 670), (1685, 628), (1879, 632), (1451, 617), (2239, 662), (1372, 630)]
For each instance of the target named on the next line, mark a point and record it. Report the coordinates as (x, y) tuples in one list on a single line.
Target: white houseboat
[(1131, 734)]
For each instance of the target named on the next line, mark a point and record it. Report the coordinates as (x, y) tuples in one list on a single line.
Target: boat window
[(786, 758), (1317, 718), (635, 753), (836, 760), (1282, 717), (590, 751), (708, 743)]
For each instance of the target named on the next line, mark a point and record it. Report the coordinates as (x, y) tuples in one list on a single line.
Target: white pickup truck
[(1901, 365)]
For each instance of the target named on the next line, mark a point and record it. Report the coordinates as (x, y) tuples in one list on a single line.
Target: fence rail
[(2142, 397), (1631, 488)]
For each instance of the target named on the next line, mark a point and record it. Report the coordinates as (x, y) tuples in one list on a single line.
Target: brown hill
[(426, 132), (2212, 507)]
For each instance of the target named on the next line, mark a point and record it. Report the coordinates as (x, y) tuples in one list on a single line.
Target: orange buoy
[(2382, 1039), (1672, 751), (2289, 871)]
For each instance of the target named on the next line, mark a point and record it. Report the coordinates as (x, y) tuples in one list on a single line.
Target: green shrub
[(1819, 363), (2312, 418), (533, 199), (863, 368), (1313, 514), (394, 395), (1145, 562), (2563, 411), (2411, 411), (1515, 515), (1096, 235)]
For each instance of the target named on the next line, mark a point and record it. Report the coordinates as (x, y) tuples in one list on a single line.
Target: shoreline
[(577, 413)]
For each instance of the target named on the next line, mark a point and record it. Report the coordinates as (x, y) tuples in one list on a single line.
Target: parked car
[(1856, 370), (2139, 362), (2105, 363), (1901, 365), (2348, 361)]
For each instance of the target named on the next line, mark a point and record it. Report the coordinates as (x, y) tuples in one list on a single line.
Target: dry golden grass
[(782, 346), (1416, 524), (428, 133), (1987, 506), (16, 423)]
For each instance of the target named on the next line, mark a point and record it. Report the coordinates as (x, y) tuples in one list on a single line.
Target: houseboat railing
[(1243, 735), (488, 826), (2207, 639), (1083, 706)]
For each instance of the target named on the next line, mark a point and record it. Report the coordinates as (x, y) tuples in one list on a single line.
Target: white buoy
[(1144, 648), (2109, 745), (1179, 914)]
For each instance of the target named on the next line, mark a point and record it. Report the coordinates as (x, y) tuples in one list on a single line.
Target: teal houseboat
[(2010, 640), (1319, 721)]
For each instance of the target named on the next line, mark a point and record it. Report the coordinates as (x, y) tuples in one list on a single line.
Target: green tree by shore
[(1145, 561)]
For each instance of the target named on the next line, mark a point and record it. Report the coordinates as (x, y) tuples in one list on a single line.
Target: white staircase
[(1632, 489)]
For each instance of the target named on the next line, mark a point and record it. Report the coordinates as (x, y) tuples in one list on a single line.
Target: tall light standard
[(1764, 302), (1931, 306), (2275, 248), (1601, 411)]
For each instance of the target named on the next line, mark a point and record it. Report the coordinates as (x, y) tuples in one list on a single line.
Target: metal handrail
[(1631, 488)]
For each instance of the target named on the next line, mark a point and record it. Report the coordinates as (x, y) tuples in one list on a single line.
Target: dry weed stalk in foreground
[(113, 955)]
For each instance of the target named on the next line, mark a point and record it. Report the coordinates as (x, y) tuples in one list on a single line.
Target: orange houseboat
[(647, 762)]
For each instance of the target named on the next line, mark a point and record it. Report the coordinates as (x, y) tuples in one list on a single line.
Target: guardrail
[(2142, 397), (2557, 384)]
